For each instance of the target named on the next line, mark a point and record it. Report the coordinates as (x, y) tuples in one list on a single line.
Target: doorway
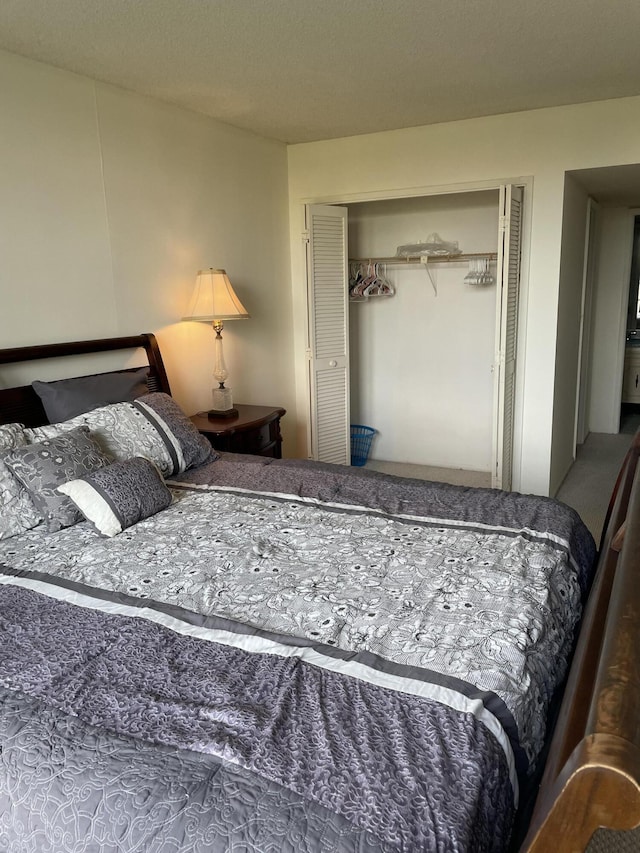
[(328, 348), (603, 378), (421, 360), (630, 404)]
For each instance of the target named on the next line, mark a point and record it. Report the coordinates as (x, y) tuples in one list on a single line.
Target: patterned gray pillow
[(119, 495), (153, 426), (43, 466), (190, 448), (17, 512)]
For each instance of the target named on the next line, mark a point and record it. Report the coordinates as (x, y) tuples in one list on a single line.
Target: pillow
[(17, 512), (42, 466), (119, 495), (191, 447), (154, 427), (67, 398)]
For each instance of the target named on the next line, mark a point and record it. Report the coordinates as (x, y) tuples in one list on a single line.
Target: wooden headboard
[(22, 404)]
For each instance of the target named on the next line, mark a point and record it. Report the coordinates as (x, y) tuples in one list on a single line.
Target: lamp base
[(221, 399), (214, 414), (222, 403)]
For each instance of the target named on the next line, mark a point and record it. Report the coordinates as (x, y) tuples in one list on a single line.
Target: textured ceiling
[(302, 70)]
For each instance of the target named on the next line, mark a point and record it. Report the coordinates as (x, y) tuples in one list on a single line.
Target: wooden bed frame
[(592, 773), (22, 404)]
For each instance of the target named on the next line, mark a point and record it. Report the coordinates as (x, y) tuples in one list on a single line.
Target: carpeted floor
[(588, 485), (456, 476)]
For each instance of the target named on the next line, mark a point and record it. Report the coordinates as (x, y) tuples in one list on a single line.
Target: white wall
[(111, 202), (542, 144), (421, 362), (574, 218), (610, 300)]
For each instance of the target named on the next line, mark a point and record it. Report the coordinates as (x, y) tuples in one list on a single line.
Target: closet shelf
[(432, 259)]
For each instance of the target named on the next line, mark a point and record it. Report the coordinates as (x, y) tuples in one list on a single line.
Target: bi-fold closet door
[(504, 389), (328, 333)]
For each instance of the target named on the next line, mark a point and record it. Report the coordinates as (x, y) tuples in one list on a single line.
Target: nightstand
[(255, 430)]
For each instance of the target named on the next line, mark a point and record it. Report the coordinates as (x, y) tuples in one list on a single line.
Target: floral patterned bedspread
[(287, 658)]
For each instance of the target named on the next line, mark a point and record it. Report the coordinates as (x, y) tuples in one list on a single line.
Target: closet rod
[(432, 259)]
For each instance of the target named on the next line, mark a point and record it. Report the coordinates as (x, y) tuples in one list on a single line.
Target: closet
[(429, 362)]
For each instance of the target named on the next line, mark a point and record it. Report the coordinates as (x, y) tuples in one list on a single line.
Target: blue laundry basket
[(361, 438)]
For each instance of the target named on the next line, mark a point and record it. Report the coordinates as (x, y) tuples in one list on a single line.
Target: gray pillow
[(67, 398), (189, 446), (43, 466), (17, 512), (119, 495), (153, 426)]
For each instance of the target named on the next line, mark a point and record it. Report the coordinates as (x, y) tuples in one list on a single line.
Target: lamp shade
[(214, 299)]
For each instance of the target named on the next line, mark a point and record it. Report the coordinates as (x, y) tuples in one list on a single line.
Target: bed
[(204, 651)]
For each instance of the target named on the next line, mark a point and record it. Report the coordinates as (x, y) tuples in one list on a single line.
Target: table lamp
[(214, 301)]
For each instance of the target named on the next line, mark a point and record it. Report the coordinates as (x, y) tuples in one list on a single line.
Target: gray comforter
[(293, 656)]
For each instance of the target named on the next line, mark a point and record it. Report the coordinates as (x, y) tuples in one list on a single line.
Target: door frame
[(581, 425), (633, 212), (300, 296)]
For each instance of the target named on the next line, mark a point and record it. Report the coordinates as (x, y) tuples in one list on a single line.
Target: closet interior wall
[(421, 362)]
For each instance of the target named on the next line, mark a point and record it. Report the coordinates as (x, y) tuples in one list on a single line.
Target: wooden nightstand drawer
[(255, 430), (254, 441)]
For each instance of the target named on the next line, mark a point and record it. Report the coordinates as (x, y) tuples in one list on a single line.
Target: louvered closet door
[(509, 249), (328, 333)]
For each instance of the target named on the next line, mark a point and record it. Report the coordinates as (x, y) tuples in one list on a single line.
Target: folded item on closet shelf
[(434, 245)]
